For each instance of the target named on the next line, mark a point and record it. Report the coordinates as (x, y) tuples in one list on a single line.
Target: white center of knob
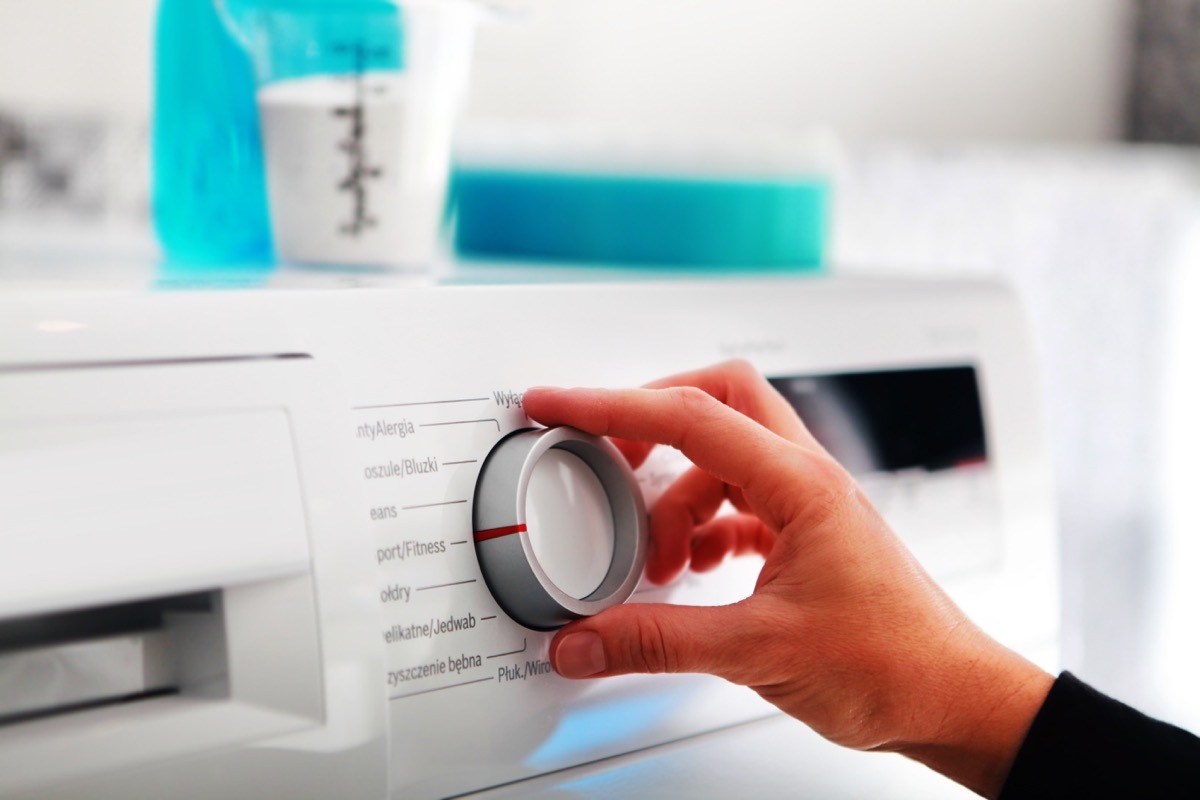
[(570, 523)]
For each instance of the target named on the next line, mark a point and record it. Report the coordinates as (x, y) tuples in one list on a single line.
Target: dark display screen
[(927, 419)]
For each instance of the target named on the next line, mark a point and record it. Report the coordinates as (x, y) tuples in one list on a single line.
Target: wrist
[(979, 705)]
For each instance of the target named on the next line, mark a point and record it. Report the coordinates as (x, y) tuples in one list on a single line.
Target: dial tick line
[(431, 505), (524, 647), (444, 585), (461, 422), (423, 403), (441, 688)]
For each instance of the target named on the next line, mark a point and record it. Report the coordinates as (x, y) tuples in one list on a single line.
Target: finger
[(738, 384), (737, 499), (734, 535), (635, 453), (732, 447), (645, 637), (691, 500)]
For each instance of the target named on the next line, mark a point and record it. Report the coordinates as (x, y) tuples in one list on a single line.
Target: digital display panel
[(887, 421)]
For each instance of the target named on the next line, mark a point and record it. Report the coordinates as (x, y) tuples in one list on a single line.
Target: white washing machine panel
[(236, 544)]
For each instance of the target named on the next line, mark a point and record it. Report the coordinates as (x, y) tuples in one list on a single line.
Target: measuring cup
[(357, 101)]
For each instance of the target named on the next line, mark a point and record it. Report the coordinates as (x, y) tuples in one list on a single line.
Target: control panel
[(490, 533)]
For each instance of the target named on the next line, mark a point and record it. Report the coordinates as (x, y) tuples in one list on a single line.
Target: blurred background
[(1049, 142)]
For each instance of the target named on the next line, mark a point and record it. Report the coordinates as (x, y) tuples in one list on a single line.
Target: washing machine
[(245, 550)]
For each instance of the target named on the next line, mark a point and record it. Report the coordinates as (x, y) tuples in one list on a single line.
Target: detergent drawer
[(158, 596)]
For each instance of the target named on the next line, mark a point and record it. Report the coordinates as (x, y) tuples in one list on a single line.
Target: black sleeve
[(1085, 744)]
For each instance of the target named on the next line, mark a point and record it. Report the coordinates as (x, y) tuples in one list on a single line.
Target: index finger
[(725, 443), (737, 383)]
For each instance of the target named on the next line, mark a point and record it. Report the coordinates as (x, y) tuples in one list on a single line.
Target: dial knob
[(560, 526)]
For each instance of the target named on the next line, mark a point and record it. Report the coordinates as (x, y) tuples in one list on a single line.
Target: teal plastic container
[(708, 222)]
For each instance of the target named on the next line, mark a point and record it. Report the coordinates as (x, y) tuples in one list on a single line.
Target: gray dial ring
[(502, 543)]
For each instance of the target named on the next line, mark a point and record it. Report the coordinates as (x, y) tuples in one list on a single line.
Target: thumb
[(645, 637)]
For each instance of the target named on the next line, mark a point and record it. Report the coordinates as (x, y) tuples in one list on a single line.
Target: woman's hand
[(844, 631)]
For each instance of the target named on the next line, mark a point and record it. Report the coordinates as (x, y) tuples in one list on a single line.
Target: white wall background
[(918, 69), (67, 55), (932, 70)]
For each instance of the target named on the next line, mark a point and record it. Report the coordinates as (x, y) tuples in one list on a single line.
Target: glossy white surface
[(775, 759), (190, 502), (570, 523)]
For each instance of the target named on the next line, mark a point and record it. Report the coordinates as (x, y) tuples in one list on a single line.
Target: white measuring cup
[(358, 103)]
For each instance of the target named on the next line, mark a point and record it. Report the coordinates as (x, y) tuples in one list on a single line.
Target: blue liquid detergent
[(209, 193)]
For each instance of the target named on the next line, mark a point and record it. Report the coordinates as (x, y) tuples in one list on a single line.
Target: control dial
[(560, 526)]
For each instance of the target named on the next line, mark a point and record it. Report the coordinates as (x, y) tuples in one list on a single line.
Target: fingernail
[(580, 655), (544, 389)]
